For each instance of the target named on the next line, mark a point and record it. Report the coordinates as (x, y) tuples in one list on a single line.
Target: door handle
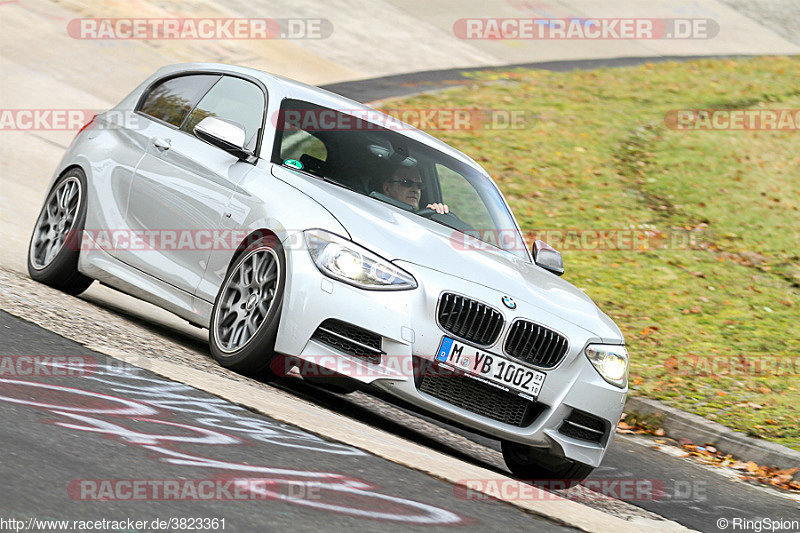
[(161, 144)]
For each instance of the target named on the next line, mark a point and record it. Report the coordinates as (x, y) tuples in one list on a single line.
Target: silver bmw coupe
[(315, 235)]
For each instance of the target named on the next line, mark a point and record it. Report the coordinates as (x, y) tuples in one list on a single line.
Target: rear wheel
[(55, 244), (527, 462), (244, 322)]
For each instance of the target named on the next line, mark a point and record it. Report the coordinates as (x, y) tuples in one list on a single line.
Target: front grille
[(535, 344), (583, 426), (350, 339), (469, 319), (477, 397)]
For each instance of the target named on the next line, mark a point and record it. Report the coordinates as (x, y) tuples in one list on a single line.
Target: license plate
[(490, 367)]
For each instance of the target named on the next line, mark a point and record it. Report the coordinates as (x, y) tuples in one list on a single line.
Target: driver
[(405, 184)]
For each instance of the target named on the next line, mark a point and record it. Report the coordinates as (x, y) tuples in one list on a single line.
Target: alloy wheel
[(55, 222), (247, 297)]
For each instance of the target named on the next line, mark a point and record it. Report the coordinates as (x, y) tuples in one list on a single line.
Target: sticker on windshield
[(294, 163)]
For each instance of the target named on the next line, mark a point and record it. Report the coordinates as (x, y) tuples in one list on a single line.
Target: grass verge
[(709, 302)]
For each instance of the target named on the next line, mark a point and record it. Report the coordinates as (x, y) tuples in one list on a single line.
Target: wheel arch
[(255, 236), (72, 166), (60, 174)]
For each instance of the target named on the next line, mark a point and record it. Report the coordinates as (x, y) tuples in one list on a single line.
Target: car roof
[(302, 91)]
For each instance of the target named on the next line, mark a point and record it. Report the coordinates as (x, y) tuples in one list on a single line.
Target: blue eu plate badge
[(444, 349)]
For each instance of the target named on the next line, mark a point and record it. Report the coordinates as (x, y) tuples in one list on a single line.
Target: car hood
[(404, 237)]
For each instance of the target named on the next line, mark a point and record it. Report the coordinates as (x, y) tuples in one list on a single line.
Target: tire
[(55, 243), (246, 313), (527, 462)]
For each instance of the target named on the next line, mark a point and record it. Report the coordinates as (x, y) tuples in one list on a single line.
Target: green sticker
[(294, 163)]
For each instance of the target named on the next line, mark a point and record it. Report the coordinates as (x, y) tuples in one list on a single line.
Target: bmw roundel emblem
[(509, 302)]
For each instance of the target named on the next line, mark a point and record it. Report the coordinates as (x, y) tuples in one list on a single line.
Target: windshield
[(386, 165)]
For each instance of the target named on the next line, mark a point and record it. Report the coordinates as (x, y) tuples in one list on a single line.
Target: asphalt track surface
[(406, 84), (83, 432), (40, 458)]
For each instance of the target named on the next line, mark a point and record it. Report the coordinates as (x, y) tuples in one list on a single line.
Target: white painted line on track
[(311, 417)]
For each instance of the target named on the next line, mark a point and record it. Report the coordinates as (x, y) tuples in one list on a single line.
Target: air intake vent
[(583, 426), (535, 344), (469, 319), (350, 339)]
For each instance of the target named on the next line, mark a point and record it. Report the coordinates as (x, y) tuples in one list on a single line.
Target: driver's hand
[(442, 209)]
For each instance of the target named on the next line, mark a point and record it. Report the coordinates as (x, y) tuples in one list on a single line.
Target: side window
[(235, 100), (299, 137), (463, 199), (296, 144), (172, 100)]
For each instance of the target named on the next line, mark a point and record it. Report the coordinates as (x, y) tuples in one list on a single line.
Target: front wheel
[(55, 244), (527, 462), (244, 321)]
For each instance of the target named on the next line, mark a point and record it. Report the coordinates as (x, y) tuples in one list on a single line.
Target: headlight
[(610, 361), (348, 262)]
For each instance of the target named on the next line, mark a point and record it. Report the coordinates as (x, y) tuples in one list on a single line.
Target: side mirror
[(229, 136), (548, 258)]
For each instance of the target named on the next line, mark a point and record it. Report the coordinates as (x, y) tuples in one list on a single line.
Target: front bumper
[(406, 323)]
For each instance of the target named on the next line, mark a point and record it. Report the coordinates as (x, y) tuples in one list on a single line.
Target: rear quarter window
[(171, 100)]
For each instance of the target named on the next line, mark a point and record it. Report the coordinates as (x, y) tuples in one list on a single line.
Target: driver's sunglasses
[(405, 182)]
